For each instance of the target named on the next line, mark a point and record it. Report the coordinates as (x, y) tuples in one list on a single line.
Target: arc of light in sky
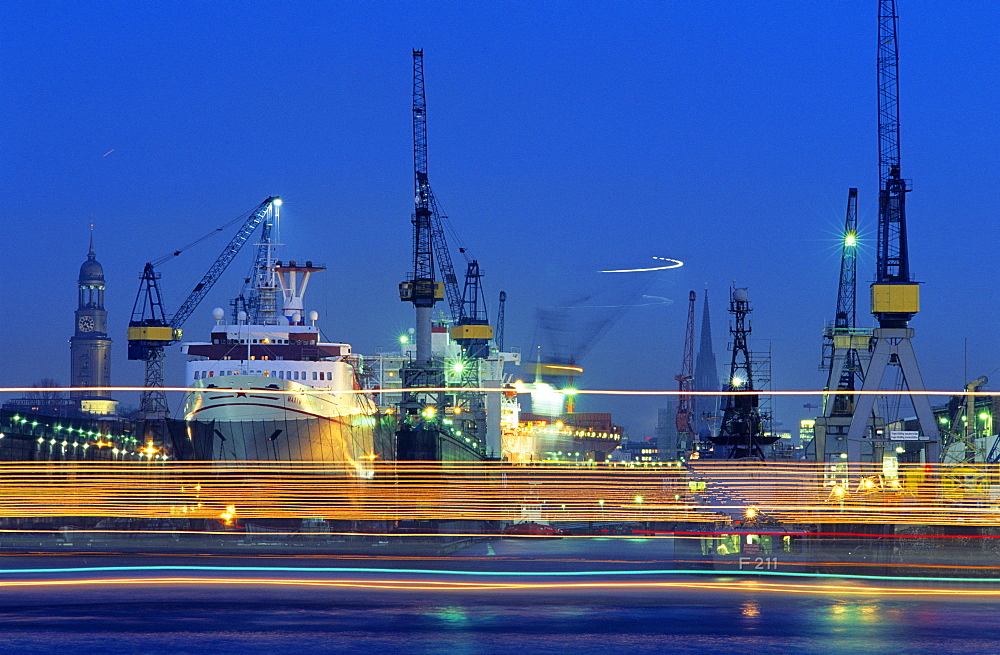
[(673, 263)]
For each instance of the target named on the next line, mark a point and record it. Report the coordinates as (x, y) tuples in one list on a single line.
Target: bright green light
[(458, 367), (984, 415), (570, 391), (851, 240), (943, 420), (737, 381), (404, 339), (638, 500), (277, 202)]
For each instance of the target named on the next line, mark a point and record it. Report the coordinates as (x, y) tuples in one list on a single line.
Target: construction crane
[(684, 420), (895, 296), (845, 349), (472, 330), (150, 329), (421, 430), (421, 288), (845, 346)]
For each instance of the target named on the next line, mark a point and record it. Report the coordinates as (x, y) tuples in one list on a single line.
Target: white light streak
[(673, 263)]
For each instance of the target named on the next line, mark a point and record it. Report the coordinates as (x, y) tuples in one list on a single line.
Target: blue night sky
[(564, 139)]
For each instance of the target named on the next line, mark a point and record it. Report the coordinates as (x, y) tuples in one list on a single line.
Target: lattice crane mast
[(895, 298), (684, 420), (422, 289), (501, 310), (150, 330)]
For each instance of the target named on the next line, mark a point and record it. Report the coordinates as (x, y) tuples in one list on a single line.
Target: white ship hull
[(258, 418)]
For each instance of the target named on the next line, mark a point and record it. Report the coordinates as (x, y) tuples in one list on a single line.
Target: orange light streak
[(792, 493), (597, 392)]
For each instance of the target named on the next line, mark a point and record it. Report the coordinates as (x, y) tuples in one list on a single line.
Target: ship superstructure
[(274, 388)]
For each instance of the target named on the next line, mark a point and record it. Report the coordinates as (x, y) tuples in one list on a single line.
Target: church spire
[(706, 373), (91, 255)]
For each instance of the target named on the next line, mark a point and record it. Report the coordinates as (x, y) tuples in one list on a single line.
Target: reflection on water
[(493, 624)]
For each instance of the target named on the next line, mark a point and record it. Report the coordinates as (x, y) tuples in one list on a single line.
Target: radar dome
[(740, 295), (297, 317), (218, 313), (314, 316), (242, 316)]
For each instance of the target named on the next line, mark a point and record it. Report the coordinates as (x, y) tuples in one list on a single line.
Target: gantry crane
[(894, 295), (684, 420), (150, 329)]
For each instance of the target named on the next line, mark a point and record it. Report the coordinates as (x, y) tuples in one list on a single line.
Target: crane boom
[(222, 262), (445, 266), (498, 336)]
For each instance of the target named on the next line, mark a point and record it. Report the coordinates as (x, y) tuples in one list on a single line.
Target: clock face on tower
[(86, 324)]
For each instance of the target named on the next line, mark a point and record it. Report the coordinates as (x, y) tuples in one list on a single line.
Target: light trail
[(674, 263), (794, 493), (758, 580), (452, 586), (525, 390)]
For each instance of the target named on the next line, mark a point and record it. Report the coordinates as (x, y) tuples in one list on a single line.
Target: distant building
[(666, 433), (639, 452), (807, 430)]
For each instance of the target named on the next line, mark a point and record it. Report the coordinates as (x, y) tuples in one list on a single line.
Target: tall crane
[(894, 295), (845, 346), (422, 423), (150, 329), (421, 288), (684, 420)]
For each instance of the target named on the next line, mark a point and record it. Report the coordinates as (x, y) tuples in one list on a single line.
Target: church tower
[(90, 347)]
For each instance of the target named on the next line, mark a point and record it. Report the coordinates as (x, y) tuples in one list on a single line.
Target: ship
[(273, 389)]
